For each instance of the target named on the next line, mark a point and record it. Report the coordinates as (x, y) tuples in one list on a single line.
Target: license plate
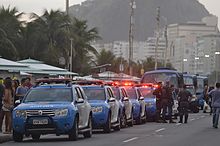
[(40, 122)]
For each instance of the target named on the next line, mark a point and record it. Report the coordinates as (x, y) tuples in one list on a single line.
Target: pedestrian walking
[(22, 89), (184, 97), (8, 105), (210, 99), (215, 94), (158, 93), (1, 98)]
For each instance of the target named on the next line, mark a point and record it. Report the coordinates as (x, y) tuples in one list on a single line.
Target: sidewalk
[(5, 137)]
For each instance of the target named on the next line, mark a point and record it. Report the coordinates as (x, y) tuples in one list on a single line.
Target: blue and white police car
[(53, 109)]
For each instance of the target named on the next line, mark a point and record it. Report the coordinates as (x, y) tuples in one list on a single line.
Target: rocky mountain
[(111, 17)]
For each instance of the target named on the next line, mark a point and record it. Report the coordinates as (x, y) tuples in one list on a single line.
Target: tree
[(10, 28), (82, 50)]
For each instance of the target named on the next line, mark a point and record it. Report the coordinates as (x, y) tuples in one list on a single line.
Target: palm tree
[(82, 37), (9, 31)]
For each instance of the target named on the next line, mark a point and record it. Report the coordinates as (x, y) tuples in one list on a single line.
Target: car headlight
[(20, 113), (97, 109), (61, 112), (149, 104)]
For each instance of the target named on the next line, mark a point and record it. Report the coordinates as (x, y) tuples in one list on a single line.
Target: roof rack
[(86, 82), (43, 81)]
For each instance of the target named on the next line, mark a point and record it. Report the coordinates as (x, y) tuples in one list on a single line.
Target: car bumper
[(57, 126)]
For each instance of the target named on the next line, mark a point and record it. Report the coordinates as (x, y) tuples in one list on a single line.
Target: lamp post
[(71, 54), (196, 64), (157, 35), (183, 62), (166, 39), (216, 67), (207, 62), (131, 36), (67, 7)]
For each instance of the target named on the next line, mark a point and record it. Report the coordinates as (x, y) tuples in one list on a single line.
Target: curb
[(5, 138)]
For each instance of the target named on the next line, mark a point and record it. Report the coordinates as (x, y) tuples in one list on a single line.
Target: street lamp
[(166, 39), (183, 62), (216, 67)]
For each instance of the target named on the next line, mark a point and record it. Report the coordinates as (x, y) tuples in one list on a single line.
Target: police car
[(53, 109), (105, 107), (149, 98), (137, 100), (127, 108)]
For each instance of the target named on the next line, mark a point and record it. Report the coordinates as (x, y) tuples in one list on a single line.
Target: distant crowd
[(11, 90)]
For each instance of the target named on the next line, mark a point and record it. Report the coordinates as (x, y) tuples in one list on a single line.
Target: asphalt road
[(198, 132)]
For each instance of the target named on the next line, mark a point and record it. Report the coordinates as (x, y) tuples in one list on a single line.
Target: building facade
[(182, 42)]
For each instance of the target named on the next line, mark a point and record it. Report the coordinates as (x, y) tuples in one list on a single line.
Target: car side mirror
[(126, 99), (141, 98), (80, 100), (17, 102), (111, 99)]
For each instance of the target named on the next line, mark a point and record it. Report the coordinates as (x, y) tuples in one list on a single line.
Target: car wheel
[(74, 132), (107, 126), (131, 123), (17, 137), (123, 120), (35, 137), (118, 127), (88, 134)]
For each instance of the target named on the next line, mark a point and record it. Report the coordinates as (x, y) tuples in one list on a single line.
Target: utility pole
[(166, 39), (157, 35), (67, 7), (131, 36), (71, 55)]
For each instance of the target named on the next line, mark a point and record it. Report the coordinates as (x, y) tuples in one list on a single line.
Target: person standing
[(158, 92), (22, 89), (184, 97), (215, 94), (28, 83), (1, 98), (8, 105), (171, 96)]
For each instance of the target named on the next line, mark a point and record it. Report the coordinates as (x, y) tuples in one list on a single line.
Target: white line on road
[(192, 119), (159, 130), (202, 116), (130, 139), (178, 124)]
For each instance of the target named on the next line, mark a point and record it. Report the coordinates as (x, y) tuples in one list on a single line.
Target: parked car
[(53, 109)]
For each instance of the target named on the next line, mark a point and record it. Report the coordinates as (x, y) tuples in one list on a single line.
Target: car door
[(113, 106), (141, 101), (117, 104), (127, 103), (81, 105)]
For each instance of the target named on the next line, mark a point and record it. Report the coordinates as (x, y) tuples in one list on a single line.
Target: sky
[(37, 6)]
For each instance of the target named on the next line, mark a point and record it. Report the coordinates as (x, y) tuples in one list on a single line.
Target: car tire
[(35, 137), (74, 132), (17, 137), (123, 120), (131, 123), (88, 134), (107, 126), (118, 127)]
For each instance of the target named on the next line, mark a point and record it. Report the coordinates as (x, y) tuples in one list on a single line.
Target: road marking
[(162, 129), (192, 119), (197, 118), (202, 116), (130, 139), (178, 124)]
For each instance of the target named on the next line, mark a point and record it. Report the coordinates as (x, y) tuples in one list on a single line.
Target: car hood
[(148, 99), (97, 103), (42, 105)]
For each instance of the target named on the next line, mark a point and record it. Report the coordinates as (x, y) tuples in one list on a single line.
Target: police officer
[(184, 97), (158, 93)]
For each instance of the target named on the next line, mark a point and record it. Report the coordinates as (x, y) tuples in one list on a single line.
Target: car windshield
[(95, 93), (161, 77), (49, 95), (146, 92), (116, 92), (188, 80), (131, 93)]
